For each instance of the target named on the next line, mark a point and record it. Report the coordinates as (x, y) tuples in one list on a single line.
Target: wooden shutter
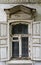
[(4, 42), (29, 39), (36, 41)]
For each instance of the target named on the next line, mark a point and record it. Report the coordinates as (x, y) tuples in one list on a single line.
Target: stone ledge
[(19, 62)]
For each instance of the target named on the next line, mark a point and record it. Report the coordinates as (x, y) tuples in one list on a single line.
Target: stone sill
[(14, 61)]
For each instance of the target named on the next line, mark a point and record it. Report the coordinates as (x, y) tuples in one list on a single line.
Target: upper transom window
[(20, 29)]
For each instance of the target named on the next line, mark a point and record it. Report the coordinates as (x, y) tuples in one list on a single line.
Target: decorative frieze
[(20, 1)]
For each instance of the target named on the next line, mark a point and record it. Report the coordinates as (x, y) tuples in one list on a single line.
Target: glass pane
[(15, 49), (20, 29), (24, 47), (3, 30)]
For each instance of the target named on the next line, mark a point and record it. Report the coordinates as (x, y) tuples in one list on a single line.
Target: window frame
[(25, 35)]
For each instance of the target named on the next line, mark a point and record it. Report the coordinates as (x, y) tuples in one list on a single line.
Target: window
[(26, 45), (20, 40)]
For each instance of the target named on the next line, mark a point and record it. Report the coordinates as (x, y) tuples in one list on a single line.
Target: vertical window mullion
[(20, 46)]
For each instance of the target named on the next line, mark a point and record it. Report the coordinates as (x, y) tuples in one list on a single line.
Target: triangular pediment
[(20, 12), (20, 15)]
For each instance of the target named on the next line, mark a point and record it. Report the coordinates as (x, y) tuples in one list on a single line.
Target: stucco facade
[(12, 14)]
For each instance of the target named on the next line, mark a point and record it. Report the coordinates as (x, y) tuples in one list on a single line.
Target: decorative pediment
[(20, 12)]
